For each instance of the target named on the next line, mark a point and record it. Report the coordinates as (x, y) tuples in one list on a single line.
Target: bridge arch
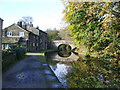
[(55, 44), (64, 45)]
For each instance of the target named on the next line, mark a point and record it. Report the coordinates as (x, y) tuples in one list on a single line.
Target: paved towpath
[(30, 73)]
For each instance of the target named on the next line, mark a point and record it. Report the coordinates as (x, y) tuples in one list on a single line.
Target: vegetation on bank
[(95, 28), (41, 55), (11, 56), (53, 35)]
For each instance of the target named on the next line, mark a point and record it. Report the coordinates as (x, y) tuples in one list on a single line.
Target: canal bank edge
[(44, 62)]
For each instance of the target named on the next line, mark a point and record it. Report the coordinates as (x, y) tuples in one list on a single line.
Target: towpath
[(30, 73)]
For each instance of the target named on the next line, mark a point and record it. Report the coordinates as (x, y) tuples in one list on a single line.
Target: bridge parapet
[(56, 43)]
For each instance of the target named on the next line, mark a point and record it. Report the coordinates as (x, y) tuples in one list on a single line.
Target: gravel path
[(30, 73)]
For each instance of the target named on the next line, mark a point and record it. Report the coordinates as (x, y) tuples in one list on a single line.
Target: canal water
[(89, 71), (60, 65)]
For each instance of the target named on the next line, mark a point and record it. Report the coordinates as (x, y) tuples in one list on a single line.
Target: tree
[(27, 19), (91, 24), (53, 35), (65, 34), (95, 25)]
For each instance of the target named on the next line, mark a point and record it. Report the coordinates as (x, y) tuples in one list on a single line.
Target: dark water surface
[(60, 65), (91, 73)]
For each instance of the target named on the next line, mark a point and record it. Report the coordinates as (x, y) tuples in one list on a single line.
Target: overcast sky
[(46, 13)]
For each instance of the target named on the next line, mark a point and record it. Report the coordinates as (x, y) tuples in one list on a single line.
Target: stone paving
[(30, 73)]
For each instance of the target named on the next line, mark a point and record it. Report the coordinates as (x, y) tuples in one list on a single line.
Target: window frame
[(21, 34), (9, 33)]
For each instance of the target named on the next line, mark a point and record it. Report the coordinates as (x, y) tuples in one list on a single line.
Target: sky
[(45, 13)]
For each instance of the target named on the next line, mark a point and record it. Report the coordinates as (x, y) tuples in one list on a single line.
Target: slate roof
[(34, 31), (12, 40)]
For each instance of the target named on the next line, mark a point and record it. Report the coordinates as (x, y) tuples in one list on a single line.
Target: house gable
[(15, 29), (12, 34)]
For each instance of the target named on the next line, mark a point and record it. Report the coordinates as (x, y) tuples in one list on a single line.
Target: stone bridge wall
[(56, 43), (72, 57)]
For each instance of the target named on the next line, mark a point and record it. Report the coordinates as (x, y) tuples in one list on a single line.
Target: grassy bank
[(9, 61)]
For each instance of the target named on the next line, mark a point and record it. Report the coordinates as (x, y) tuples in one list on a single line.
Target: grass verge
[(10, 61)]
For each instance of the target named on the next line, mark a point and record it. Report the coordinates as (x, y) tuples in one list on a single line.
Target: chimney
[(19, 23), (31, 25)]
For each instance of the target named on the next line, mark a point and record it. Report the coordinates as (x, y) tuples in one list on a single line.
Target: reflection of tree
[(64, 50), (54, 67)]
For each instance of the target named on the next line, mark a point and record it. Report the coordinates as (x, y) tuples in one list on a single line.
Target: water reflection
[(61, 70), (64, 50), (54, 56), (85, 73), (64, 54), (60, 65)]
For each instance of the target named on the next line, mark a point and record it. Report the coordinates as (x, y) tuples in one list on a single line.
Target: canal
[(91, 73), (60, 65)]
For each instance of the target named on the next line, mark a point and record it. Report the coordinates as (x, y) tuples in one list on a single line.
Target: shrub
[(11, 56), (20, 51)]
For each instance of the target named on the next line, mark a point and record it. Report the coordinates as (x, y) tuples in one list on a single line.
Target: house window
[(9, 33), (12, 39), (40, 40), (37, 44), (21, 33), (37, 38), (33, 44), (6, 46)]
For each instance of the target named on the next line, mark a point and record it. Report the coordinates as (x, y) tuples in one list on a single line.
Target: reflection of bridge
[(56, 43), (72, 57)]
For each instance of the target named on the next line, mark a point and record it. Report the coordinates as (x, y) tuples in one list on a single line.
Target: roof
[(31, 29), (42, 31), (1, 19), (34, 31), (14, 25)]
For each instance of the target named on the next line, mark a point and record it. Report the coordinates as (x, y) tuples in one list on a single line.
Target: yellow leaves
[(89, 20), (68, 6), (108, 48), (101, 13)]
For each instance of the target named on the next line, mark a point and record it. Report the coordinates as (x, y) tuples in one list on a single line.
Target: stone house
[(24, 35)]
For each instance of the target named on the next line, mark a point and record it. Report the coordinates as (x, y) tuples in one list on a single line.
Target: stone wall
[(1, 24), (43, 40), (33, 43)]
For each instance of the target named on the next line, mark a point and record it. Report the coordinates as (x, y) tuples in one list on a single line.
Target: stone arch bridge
[(55, 44)]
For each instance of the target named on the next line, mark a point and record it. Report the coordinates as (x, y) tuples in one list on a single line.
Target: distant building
[(24, 35)]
